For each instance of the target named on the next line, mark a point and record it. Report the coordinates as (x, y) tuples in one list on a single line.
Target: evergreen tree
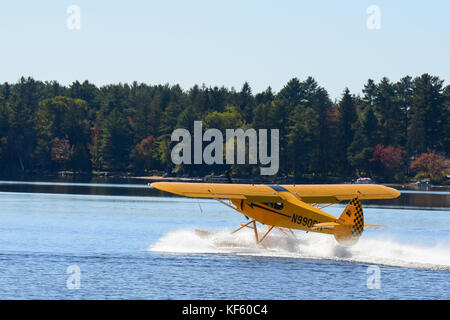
[(264, 97), (292, 94), (22, 106), (404, 94), (428, 118), (63, 118), (367, 136), (246, 102), (322, 152), (169, 118), (370, 92), (346, 120), (302, 138), (389, 113), (446, 116), (115, 142), (48, 126)]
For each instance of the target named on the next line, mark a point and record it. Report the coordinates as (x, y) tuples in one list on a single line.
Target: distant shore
[(117, 177), (399, 186), (432, 198)]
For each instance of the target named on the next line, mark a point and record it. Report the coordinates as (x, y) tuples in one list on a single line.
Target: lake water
[(107, 241)]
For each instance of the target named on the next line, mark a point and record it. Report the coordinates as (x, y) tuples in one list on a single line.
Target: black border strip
[(175, 309)]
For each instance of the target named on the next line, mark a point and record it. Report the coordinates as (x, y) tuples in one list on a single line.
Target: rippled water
[(146, 247)]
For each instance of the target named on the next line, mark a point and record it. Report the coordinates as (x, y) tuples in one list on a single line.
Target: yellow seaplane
[(291, 207)]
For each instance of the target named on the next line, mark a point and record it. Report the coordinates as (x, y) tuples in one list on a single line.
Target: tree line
[(382, 133)]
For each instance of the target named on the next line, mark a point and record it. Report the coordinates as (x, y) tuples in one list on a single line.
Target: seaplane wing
[(256, 193), (287, 207), (326, 193), (329, 193)]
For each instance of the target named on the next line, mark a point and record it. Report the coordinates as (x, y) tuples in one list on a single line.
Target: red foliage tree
[(431, 165), (143, 156), (389, 157)]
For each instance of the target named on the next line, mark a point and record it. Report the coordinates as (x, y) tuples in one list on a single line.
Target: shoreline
[(120, 177)]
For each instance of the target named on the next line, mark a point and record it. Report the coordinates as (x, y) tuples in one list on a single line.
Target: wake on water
[(306, 246)]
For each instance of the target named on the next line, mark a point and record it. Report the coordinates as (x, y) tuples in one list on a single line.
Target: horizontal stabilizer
[(374, 226), (326, 225)]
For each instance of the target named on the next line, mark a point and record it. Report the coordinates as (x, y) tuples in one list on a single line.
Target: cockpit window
[(275, 205)]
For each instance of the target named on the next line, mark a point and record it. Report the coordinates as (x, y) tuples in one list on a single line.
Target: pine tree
[(428, 118), (367, 136), (389, 113), (346, 119), (115, 142), (246, 102), (302, 139), (370, 90), (404, 94)]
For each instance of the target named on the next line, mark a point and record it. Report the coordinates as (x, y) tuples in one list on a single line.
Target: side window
[(276, 206)]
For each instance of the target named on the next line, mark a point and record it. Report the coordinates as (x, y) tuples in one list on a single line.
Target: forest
[(392, 131)]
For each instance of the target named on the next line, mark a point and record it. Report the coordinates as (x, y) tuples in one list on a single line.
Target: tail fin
[(351, 223)]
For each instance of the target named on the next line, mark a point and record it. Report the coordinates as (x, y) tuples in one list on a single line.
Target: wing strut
[(227, 204), (252, 225)]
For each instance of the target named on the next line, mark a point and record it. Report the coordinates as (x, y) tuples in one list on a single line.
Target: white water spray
[(307, 246)]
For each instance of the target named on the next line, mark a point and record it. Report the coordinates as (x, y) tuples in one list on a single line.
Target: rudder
[(351, 223)]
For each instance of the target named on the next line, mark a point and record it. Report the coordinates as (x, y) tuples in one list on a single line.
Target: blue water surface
[(128, 247)]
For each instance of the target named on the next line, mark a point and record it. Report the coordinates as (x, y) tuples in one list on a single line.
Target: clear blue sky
[(224, 42)]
